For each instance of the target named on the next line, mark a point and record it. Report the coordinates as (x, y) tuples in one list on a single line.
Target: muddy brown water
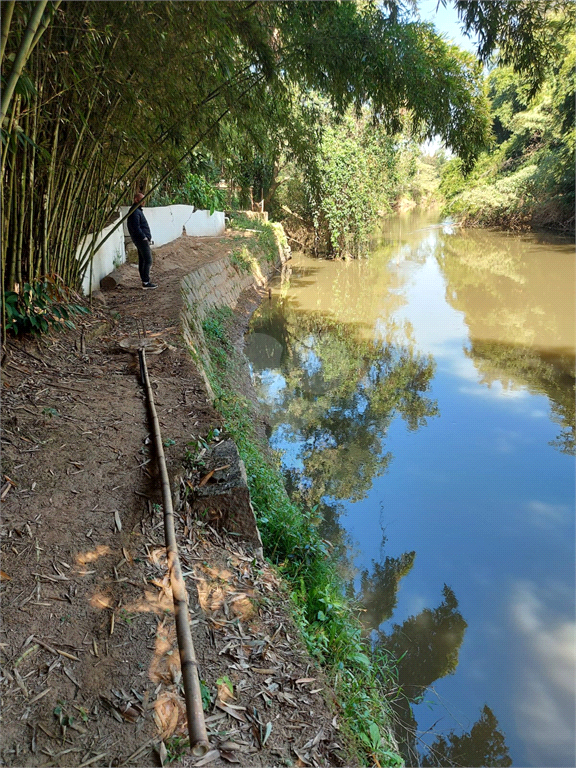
[(423, 403)]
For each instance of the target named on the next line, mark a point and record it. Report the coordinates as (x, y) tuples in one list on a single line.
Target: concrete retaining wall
[(105, 259), (216, 284)]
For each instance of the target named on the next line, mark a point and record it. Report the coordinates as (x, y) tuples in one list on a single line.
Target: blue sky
[(446, 22)]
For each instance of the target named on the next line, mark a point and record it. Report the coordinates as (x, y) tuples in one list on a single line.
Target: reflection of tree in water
[(338, 397), (514, 306), (552, 376), (379, 589), (426, 648), (483, 745), (341, 393), (426, 645)]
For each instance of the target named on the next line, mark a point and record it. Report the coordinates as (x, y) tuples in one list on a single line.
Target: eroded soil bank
[(90, 663)]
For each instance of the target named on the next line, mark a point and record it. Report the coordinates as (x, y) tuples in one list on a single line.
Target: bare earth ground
[(90, 663)]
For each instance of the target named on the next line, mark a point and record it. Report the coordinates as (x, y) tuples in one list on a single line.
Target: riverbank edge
[(214, 332)]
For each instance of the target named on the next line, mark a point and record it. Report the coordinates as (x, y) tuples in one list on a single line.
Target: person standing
[(141, 237)]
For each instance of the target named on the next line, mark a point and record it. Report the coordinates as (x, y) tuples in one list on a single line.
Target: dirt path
[(90, 664)]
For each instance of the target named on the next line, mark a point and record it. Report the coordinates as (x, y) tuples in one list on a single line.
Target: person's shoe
[(149, 286)]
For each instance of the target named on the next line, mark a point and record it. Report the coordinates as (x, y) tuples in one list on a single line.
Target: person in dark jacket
[(141, 237)]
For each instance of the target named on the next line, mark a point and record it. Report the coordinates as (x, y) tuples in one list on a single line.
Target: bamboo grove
[(101, 99), (79, 135)]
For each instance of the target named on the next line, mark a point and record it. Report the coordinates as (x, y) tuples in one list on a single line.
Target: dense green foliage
[(527, 179), (194, 190), (115, 97), (102, 99), (41, 305), (350, 180), (518, 30)]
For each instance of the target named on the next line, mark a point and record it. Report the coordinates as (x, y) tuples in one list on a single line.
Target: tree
[(527, 177), (35, 25), (483, 745), (520, 33), (93, 119)]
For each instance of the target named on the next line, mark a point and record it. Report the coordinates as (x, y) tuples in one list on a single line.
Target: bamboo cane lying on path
[(192, 693)]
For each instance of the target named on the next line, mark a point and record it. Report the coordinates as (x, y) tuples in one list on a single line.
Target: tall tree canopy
[(117, 94), (103, 97)]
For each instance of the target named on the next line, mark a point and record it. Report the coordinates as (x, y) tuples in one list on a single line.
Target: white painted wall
[(166, 224), (106, 258)]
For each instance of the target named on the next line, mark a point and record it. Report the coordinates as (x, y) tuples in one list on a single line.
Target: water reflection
[(332, 397), (337, 366), (427, 645), (540, 371), (379, 588), (484, 744), (520, 314), (427, 648)]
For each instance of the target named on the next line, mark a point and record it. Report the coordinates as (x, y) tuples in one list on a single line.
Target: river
[(423, 401)]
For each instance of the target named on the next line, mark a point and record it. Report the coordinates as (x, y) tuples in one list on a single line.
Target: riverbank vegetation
[(331, 97), (526, 178), (364, 679), (102, 99), (316, 110)]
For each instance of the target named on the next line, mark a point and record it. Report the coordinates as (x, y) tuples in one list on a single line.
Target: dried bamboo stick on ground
[(196, 725)]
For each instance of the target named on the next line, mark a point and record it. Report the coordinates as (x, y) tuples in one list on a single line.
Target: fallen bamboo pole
[(192, 693)]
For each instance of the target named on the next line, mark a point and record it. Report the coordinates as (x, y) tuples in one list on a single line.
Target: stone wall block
[(224, 501)]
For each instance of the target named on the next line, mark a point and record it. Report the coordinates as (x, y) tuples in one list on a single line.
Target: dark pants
[(144, 260)]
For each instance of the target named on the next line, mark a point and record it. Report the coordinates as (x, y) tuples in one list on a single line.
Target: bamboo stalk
[(3, 264), (21, 215), (83, 260), (92, 229), (68, 170), (81, 229), (22, 55), (10, 261), (48, 195), (192, 692), (7, 10), (45, 21), (9, 140), (33, 266)]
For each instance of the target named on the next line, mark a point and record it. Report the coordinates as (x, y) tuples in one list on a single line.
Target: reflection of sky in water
[(472, 494), (312, 363), (291, 448), (270, 385), (488, 505)]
